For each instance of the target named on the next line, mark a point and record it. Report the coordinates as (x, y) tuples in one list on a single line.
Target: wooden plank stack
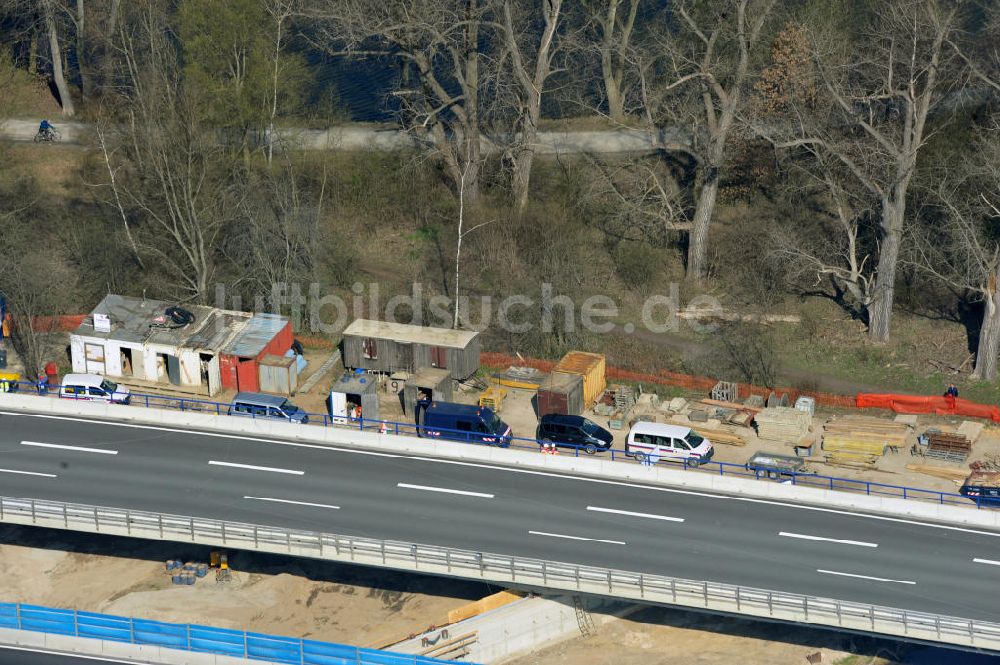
[(970, 429), (863, 435), (852, 458), (721, 436), (782, 423)]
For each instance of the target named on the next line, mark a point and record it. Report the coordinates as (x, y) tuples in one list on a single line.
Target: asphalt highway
[(32, 656), (897, 563)]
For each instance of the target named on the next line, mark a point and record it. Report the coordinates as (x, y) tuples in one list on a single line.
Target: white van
[(653, 440), (93, 387)]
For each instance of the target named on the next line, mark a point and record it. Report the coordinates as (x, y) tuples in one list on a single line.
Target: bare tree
[(280, 12), (700, 78), (835, 246), (438, 44), (530, 53), (962, 247), (880, 92), (615, 25), (180, 177)]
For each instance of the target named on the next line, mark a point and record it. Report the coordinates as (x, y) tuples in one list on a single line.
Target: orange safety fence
[(665, 378), (61, 323), (942, 406)]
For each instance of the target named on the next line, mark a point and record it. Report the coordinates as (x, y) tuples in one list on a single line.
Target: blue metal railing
[(191, 637), (524, 443)]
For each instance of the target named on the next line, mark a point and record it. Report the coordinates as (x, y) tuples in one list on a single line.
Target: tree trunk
[(989, 334), (82, 61), (473, 152), (697, 255), (884, 293), (33, 54), (58, 76), (612, 89), (522, 166)]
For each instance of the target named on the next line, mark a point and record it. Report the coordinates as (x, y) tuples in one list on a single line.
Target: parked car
[(655, 440), (259, 405), (464, 422), (93, 387), (573, 432)]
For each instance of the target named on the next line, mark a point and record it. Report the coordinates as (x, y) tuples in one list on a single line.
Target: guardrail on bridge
[(507, 569)]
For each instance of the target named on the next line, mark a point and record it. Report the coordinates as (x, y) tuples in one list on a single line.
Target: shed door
[(246, 375), (439, 357), (404, 356), (94, 354)]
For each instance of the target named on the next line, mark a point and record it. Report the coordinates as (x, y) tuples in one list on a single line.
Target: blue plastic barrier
[(190, 637)]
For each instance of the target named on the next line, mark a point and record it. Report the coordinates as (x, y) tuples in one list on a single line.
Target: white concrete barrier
[(590, 467), (139, 653)]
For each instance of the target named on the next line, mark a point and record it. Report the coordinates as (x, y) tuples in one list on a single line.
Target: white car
[(93, 387), (653, 440)]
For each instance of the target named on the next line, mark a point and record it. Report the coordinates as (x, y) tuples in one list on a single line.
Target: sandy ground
[(270, 594), (663, 636)]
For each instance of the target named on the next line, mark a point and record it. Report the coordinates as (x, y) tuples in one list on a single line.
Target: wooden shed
[(393, 347), (437, 383), (591, 367), (353, 390), (561, 393)]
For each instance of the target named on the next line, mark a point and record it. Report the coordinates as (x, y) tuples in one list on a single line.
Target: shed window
[(369, 349)]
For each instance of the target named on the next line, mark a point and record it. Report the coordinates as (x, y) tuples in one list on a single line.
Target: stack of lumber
[(782, 423), (852, 458), (721, 436), (939, 471), (863, 434), (948, 446)]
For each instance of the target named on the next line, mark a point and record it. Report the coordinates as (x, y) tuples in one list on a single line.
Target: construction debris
[(783, 424)]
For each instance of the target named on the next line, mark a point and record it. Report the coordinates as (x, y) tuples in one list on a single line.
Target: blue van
[(259, 405), (464, 422)]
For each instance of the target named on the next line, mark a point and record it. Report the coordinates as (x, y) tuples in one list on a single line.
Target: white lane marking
[(82, 449), (863, 577), (592, 540), (629, 513), (29, 473), (494, 467), (252, 467), (297, 503), (802, 536), (443, 490), (989, 562)]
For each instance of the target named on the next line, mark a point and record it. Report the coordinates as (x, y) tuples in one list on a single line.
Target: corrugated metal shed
[(278, 374), (437, 382), (561, 393), (255, 335), (591, 366)]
